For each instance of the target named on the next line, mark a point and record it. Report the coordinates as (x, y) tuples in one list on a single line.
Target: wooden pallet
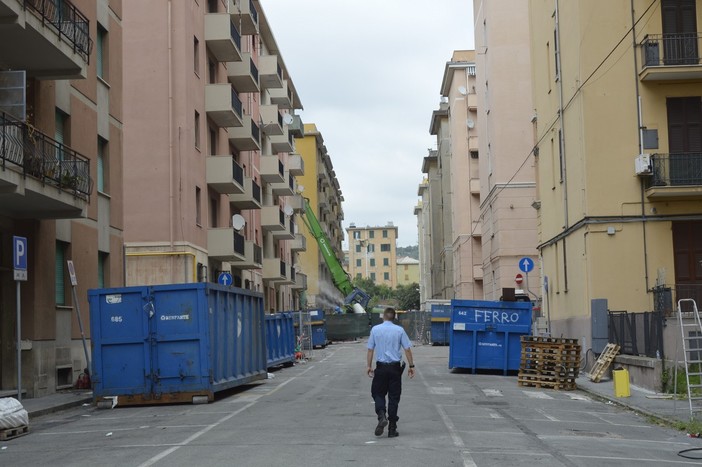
[(12, 433), (606, 359), (561, 386), (549, 340)]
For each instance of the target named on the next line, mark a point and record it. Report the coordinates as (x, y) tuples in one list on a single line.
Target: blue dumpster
[(486, 335), (440, 323), (280, 339), (174, 343), (319, 328)]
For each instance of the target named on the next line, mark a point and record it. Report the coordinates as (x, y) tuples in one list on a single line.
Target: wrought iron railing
[(671, 49), (237, 172), (239, 244), (637, 333), (236, 37), (665, 297), (236, 103), (676, 169), (34, 154), (69, 23)]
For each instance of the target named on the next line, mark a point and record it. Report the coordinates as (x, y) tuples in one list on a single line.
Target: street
[(321, 414)]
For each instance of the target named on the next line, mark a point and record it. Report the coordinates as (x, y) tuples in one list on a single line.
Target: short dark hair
[(389, 313)]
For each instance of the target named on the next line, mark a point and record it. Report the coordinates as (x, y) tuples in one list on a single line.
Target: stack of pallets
[(549, 362)]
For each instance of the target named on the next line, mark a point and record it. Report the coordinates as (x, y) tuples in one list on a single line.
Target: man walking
[(387, 341)]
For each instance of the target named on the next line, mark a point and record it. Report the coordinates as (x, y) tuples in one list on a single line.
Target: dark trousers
[(387, 381)]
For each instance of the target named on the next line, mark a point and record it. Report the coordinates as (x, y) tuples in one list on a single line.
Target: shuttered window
[(102, 165), (60, 268)]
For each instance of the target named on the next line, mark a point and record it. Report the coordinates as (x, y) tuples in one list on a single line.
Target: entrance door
[(687, 248), (679, 32), (685, 140)]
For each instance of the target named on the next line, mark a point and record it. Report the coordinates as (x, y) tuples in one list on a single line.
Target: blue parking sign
[(19, 258)]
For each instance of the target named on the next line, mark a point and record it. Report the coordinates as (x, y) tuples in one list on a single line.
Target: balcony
[(475, 186), (282, 143), (300, 281), (472, 102), (668, 57), (272, 169), (51, 38), (222, 38), (296, 165), (271, 120), (222, 105), (250, 198), (253, 257), (270, 72), (244, 13), (244, 74), (224, 175), (272, 219), (478, 272), (282, 97), (296, 202), (275, 270), (473, 143), (286, 188), (675, 176), (299, 243), (297, 128), (40, 178), (246, 137), (226, 244), (288, 233)]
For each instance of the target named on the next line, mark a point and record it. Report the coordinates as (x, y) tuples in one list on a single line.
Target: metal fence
[(677, 169), (665, 297), (637, 333), (417, 325)]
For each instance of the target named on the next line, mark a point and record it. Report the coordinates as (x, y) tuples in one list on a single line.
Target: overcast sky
[(369, 73)]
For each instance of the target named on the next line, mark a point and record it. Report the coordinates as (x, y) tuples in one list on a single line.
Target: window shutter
[(59, 267)]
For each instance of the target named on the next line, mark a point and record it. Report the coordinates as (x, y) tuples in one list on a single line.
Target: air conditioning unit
[(642, 164)]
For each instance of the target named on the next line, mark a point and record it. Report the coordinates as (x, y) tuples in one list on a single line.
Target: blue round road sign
[(224, 278), (526, 265)]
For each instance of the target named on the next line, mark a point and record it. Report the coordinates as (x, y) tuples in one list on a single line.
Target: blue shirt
[(388, 340)]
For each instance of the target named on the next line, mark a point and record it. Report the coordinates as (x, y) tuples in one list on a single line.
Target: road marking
[(195, 436), (578, 397), (646, 441), (494, 414), (537, 395), (440, 391), (634, 459), (601, 418), (553, 419), (493, 393)]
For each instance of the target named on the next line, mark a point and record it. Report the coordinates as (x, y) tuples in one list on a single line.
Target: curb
[(59, 407), (615, 401)]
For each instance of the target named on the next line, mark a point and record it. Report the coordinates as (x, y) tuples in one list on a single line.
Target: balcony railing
[(676, 169), (254, 13), (281, 217), (671, 49), (257, 254), (665, 297), (254, 70), (236, 37), (36, 155), (68, 22), (291, 182), (256, 189), (237, 172), (255, 131), (236, 103), (239, 244), (281, 168)]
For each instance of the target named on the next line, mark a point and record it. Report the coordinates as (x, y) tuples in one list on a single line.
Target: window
[(102, 267), (60, 277), (474, 155), (406, 267), (198, 209), (371, 248), (213, 141), (101, 51), (386, 276), (385, 247), (406, 277), (371, 234), (358, 263), (556, 47), (214, 211), (358, 276), (212, 6), (386, 262), (196, 55), (372, 262), (372, 276), (102, 165), (358, 248), (385, 233), (197, 129), (211, 71), (357, 234), (61, 130)]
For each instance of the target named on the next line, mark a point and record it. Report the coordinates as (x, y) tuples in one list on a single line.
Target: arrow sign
[(224, 278), (526, 265)]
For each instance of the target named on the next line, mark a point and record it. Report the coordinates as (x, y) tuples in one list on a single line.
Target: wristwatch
[(411, 366)]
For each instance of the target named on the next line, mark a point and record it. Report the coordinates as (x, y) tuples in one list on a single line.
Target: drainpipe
[(561, 143), (170, 125), (639, 111)]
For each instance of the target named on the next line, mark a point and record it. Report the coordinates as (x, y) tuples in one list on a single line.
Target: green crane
[(342, 280)]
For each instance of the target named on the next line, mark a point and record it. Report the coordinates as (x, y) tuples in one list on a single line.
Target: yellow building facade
[(321, 188), (373, 253), (407, 271), (618, 144)]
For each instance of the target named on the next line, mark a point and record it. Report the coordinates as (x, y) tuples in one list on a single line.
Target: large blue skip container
[(175, 343), (319, 328), (280, 339), (486, 335), (440, 323)]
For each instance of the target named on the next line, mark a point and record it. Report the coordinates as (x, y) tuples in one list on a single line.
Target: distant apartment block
[(373, 253)]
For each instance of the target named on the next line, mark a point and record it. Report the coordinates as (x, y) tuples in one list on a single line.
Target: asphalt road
[(321, 414)]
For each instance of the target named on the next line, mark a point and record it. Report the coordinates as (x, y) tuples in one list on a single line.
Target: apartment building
[(505, 141), (424, 243), (407, 271), (373, 253), (618, 95), (209, 148), (60, 179), (321, 188)]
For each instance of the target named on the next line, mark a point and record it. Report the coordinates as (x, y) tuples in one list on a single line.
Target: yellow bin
[(621, 382)]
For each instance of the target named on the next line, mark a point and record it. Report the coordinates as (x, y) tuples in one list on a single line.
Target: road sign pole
[(82, 333), (19, 344)]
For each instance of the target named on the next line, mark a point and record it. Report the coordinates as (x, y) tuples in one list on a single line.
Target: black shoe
[(382, 423), (392, 431)]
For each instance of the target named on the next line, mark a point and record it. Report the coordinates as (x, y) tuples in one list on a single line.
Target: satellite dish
[(287, 119), (300, 188), (470, 123), (288, 210), (238, 222), (462, 90)]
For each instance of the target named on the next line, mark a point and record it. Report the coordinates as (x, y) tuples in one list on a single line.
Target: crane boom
[(340, 277)]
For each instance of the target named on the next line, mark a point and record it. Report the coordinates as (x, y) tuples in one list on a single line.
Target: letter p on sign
[(19, 258)]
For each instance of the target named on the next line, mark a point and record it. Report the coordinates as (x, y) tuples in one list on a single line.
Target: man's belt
[(387, 364)]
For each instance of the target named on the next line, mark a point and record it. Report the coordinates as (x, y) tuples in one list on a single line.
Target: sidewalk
[(56, 402), (641, 400)]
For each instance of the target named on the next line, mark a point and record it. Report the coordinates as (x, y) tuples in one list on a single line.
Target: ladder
[(692, 353)]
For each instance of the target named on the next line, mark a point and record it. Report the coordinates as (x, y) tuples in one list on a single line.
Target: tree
[(407, 296)]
